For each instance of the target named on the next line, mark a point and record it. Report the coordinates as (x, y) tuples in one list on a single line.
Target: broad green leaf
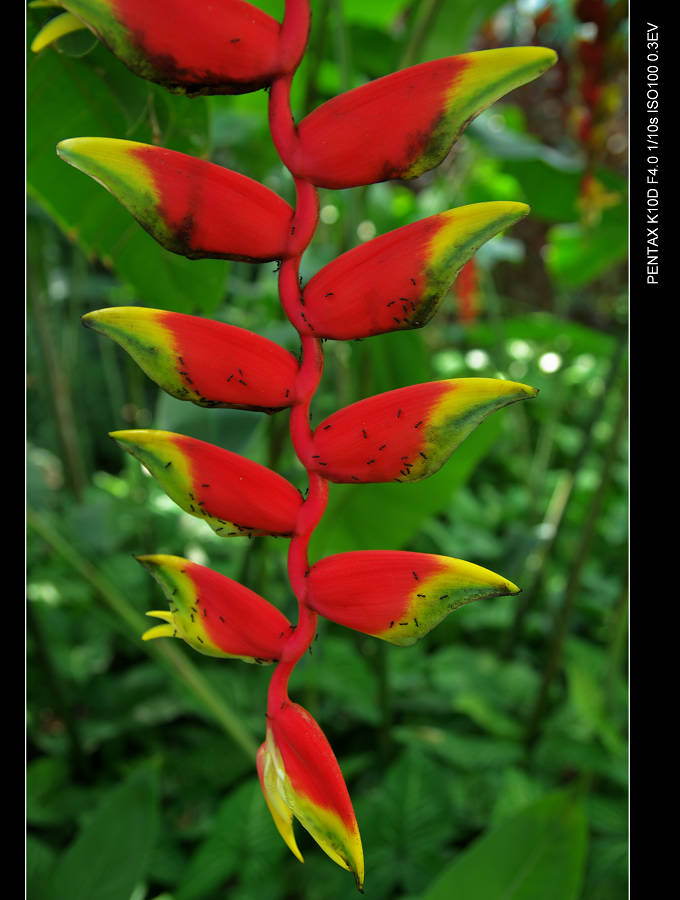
[(544, 328), (587, 680), (98, 96), (40, 859), (242, 843), (607, 874), (538, 853), (112, 851), (454, 26), (470, 753), (343, 677), (409, 819), (577, 255), (380, 13)]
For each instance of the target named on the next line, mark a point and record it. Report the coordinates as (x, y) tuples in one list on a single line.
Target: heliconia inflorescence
[(398, 126)]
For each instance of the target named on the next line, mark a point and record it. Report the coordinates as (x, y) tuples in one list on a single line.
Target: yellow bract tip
[(56, 28), (159, 631), (160, 614)]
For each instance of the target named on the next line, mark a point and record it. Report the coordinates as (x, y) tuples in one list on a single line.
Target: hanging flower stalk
[(398, 126)]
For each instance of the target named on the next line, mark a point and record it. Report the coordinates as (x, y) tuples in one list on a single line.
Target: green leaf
[(242, 841), (50, 798), (470, 753), (40, 859), (538, 853), (543, 328), (576, 254), (409, 820), (111, 853), (380, 13), (98, 96), (454, 26)]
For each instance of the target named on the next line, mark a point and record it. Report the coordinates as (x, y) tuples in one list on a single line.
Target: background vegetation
[(487, 761)]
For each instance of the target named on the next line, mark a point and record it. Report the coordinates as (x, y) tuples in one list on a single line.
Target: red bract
[(213, 614), (190, 206), (397, 281), (209, 363), (397, 596), (396, 127), (300, 777), (403, 124), (407, 434), (232, 494), (226, 47)]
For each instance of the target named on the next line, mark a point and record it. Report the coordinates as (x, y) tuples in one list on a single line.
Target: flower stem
[(303, 227)]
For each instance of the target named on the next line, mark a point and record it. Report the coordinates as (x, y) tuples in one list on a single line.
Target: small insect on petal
[(197, 359), (214, 614), (397, 596), (409, 433), (404, 124), (398, 280), (190, 206), (300, 777), (234, 495)]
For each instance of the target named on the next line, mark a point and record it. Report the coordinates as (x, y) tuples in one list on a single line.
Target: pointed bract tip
[(521, 210), (135, 435), (65, 148), (56, 28), (146, 559)]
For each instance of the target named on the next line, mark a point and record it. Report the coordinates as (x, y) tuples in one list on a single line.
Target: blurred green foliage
[(489, 760)]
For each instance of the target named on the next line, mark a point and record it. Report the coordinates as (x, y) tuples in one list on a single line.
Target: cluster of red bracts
[(396, 127)]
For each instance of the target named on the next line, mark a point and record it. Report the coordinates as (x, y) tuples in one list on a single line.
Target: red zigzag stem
[(303, 227)]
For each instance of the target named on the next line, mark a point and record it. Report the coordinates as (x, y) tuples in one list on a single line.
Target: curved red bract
[(377, 439), (217, 360), (229, 486), (215, 212), (231, 45), (379, 130), (367, 590), (310, 763)]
